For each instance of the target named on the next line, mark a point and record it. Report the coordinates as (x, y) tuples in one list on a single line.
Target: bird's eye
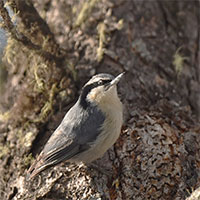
[(103, 82), (100, 82)]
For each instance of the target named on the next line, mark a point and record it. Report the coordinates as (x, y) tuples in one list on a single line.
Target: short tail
[(37, 167)]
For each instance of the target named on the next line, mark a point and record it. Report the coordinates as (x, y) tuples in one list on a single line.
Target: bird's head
[(100, 87)]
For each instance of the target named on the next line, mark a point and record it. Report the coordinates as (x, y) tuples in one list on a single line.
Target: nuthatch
[(88, 129)]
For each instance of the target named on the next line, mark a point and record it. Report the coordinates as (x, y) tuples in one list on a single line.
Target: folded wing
[(72, 137)]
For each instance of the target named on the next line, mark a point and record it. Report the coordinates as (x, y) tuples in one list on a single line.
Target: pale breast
[(110, 131), (111, 107)]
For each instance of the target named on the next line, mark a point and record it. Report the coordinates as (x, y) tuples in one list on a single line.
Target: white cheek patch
[(96, 95)]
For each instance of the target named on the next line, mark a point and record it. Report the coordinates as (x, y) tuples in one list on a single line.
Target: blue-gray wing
[(78, 128)]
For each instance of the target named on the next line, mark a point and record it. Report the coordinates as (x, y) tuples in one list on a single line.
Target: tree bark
[(55, 47)]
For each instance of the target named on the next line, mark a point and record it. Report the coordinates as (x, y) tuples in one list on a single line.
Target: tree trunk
[(54, 47)]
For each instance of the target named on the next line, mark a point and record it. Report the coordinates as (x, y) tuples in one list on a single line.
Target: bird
[(88, 129)]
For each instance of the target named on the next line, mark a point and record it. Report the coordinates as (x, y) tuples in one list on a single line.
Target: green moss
[(4, 150), (39, 86), (28, 139), (47, 108), (102, 40), (35, 74), (28, 160), (72, 69), (178, 61), (85, 12), (120, 24), (10, 50), (4, 116)]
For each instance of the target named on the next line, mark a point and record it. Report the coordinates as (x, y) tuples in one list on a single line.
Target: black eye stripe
[(102, 82), (107, 81), (97, 83)]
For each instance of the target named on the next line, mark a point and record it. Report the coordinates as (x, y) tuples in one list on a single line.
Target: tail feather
[(37, 167)]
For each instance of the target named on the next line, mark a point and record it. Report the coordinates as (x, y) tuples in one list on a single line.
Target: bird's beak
[(115, 80)]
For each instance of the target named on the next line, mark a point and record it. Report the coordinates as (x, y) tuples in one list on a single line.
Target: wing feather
[(76, 131)]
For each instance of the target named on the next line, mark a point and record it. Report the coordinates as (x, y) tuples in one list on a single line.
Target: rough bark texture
[(157, 44)]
